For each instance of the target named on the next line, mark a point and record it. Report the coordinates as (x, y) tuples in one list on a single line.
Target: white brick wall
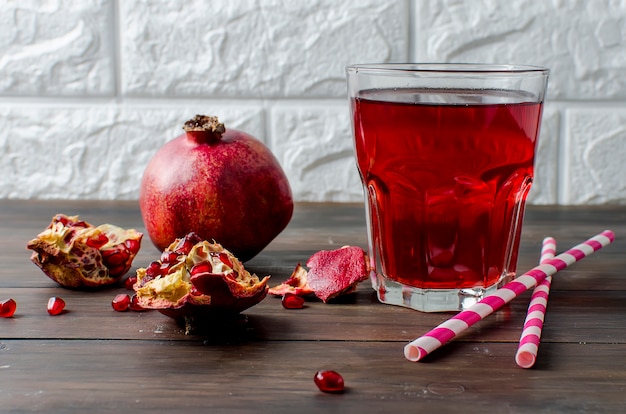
[(89, 90)]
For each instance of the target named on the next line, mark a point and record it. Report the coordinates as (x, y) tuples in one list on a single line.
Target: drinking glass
[(446, 154)]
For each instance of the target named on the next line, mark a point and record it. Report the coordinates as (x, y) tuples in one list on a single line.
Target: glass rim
[(459, 68)]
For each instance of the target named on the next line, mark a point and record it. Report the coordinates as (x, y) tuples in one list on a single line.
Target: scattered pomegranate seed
[(291, 301), (121, 302), (7, 308), (329, 381), (55, 305), (129, 282), (134, 306)]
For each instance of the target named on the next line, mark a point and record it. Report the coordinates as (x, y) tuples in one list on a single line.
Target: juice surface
[(446, 174)]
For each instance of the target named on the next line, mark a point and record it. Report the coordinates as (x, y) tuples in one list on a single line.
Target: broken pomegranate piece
[(297, 284), (337, 272), (331, 273), (198, 281), (76, 254)]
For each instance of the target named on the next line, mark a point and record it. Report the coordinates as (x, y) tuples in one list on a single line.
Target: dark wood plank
[(587, 316), (277, 377)]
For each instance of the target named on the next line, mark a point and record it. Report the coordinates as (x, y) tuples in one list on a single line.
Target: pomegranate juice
[(446, 174)]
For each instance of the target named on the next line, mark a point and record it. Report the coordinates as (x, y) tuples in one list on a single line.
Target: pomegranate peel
[(337, 272), (331, 273), (208, 280), (297, 284), (77, 254)]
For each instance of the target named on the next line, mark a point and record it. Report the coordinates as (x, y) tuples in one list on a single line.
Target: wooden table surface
[(92, 359)]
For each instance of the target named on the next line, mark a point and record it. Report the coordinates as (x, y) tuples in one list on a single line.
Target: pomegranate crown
[(204, 123), (204, 129)]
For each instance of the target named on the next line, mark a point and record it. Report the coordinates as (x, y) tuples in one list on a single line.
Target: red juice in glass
[(446, 174)]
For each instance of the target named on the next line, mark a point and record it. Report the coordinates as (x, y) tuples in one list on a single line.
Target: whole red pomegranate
[(223, 185)]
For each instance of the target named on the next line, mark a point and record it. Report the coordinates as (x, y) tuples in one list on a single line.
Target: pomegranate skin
[(224, 186)]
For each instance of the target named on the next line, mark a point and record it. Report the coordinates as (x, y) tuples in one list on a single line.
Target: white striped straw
[(533, 325), (446, 331)]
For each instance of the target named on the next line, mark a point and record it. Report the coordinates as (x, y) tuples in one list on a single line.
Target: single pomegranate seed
[(81, 223), (153, 270), (165, 268), (168, 256), (55, 305), (61, 219), (119, 270), (204, 267), (115, 257), (132, 245), (129, 282), (7, 308), (184, 246), (121, 302), (329, 381), (97, 242), (134, 305), (226, 260), (291, 301)]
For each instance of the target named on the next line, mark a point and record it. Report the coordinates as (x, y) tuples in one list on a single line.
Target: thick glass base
[(431, 300)]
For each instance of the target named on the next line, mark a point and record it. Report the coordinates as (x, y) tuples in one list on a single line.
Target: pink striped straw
[(533, 325), (446, 331)]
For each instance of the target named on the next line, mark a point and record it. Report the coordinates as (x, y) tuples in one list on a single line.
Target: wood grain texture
[(93, 359)]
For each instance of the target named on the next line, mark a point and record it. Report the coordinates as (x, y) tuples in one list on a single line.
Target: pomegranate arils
[(204, 267), (129, 282), (292, 301), (76, 254), (132, 245), (198, 285), (329, 381), (153, 270), (224, 258), (165, 268), (7, 308), (186, 243), (121, 302), (114, 257), (168, 256), (55, 305), (61, 218), (98, 241)]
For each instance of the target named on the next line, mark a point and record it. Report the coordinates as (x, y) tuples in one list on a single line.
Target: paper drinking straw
[(531, 333), (434, 339)]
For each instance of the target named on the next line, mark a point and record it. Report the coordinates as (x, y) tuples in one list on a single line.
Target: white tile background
[(90, 89)]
